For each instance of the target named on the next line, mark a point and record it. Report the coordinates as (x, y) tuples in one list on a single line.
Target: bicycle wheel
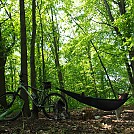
[(55, 106), (11, 105)]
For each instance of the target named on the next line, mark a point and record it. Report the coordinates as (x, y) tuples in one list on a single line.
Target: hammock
[(102, 104)]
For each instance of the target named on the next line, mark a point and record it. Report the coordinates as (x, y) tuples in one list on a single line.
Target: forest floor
[(92, 122)]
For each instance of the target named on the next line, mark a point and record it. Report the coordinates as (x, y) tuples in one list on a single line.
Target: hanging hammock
[(102, 104)]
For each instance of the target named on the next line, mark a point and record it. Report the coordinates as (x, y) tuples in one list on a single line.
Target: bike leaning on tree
[(53, 105)]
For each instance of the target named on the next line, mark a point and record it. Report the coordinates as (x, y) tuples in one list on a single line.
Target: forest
[(83, 46)]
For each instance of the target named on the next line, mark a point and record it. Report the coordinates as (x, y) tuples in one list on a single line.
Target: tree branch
[(103, 23), (122, 9), (109, 11), (111, 17)]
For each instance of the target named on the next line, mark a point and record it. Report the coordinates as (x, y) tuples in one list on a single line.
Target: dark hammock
[(103, 104)]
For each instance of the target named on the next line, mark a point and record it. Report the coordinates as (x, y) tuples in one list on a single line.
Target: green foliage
[(76, 22)]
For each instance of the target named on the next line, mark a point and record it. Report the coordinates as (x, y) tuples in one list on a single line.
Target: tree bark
[(24, 95), (3, 54), (2, 68), (32, 59), (91, 68), (55, 43), (42, 44)]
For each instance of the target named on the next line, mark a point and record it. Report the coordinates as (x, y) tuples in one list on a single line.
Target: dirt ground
[(83, 121)]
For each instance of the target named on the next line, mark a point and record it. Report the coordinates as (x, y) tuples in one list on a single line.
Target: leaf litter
[(93, 122)]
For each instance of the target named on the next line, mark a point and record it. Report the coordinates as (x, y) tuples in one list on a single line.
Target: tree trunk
[(55, 43), (39, 67), (42, 55), (91, 68), (131, 66), (24, 57), (3, 57), (2, 67), (32, 59), (42, 47)]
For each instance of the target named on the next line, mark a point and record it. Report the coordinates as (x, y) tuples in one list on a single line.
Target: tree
[(2, 64), (32, 60), (5, 45), (24, 57), (41, 42), (55, 36)]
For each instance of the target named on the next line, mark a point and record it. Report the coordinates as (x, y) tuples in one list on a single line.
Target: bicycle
[(11, 103)]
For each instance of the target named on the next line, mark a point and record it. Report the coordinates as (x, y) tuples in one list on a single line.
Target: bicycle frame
[(23, 87)]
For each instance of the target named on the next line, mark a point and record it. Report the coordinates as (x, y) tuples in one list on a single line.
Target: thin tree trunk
[(91, 68), (42, 43), (39, 66), (24, 57), (55, 42), (42, 54), (2, 67), (32, 59), (11, 75)]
